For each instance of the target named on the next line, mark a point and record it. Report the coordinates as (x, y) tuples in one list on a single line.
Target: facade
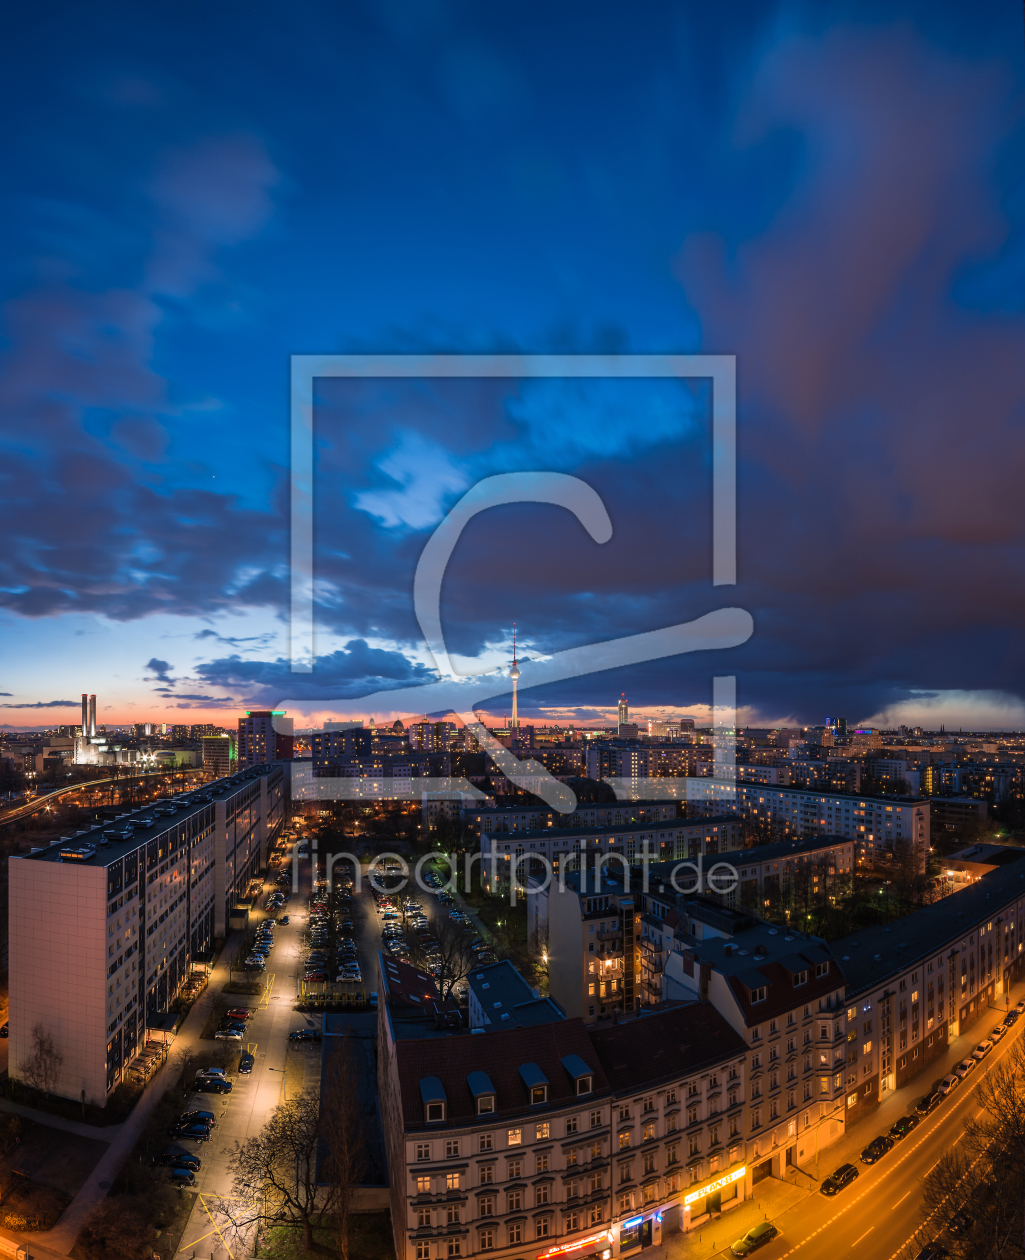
[(918, 984), (219, 754), (104, 924), (784, 995), (881, 825), (540, 818), (518, 1142), (264, 736)]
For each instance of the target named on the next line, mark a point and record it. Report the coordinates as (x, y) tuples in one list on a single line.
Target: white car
[(966, 1066), (982, 1049), (948, 1083)]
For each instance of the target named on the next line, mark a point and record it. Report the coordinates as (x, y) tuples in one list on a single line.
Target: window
[(800, 977), (423, 1251), (649, 1162), (571, 1125), (672, 1153), (572, 1222), (451, 1181), (435, 1112), (595, 1214), (583, 1085), (454, 1247), (595, 1181), (516, 1233), (694, 1144), (758, 995), (514, 1137), (484, 1142), (486, 1205), (515, 1168), (625, 1202), (541, 1195), (452, 1148), (487, 1175), (822, 969), (538, 1095), (596, 1150), (595, 1119), (625, 1171), (624, 1114), (423, 1185), (649, 1104), (541, 1162), (452, 1214), (648, 1132), (670, 1097), (515, 1201), (485, 1104), (487, 1239), (542, 1227), (541, 1131), (624, 1140), (423, 1150), (423, 1217), (572, 1156)]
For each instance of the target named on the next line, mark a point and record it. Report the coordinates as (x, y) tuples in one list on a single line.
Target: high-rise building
[(624, 710), (200, 731), (264, 735), (104, 925), (219, 754), (179, 734)]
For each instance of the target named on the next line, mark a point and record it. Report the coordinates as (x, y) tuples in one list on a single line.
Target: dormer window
[(800, 977), (579, 1073), (584, 1085), (483, 1092), (435, 1101), (758, 995), (536, 1083), (822, 969), (485, 1104), (538, 1095)]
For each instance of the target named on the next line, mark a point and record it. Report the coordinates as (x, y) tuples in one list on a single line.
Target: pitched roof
[(500, 1055), (640, 1053)]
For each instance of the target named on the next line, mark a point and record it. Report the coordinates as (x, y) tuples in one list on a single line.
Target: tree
[(43, 1068), (978, 1186), (303, 1168), (446, 953)]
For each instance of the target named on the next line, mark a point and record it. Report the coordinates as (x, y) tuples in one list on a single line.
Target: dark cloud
[(160, 669), (42, 704)]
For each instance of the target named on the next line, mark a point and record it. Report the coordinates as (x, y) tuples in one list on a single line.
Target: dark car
[(838, 1180), (1011, 1018), (195, 1132), (178, 1159), (928, 1103), (181, 1177), (198, 1117), (245, 1064), (283, 920), (960, 1223), (5, 1031), (876, 1149), (304, 1034), (213, 1086), (754, 1238), (902, 1127)]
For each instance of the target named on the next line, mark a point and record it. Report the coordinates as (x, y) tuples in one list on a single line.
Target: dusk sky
[(833, 192)]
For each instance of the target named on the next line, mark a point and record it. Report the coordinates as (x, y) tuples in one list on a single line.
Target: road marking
[(864, 1235), (900, 1201)]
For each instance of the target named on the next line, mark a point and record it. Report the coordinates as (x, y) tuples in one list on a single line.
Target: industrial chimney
[(92, 715), (85, 716)]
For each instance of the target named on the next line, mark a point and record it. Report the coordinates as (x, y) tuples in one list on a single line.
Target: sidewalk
[(104, 1133), (61, 1238)]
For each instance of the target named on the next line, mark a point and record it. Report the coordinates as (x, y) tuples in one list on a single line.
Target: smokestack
[(85, 715), (92, 715)]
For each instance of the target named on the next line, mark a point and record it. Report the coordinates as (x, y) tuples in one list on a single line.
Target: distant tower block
[(624, 709), (514, 674)]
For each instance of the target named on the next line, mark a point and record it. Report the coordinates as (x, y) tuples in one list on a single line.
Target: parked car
[(304, 1034), (902, 1127), (245, 1064), (198, 1117), (213, 1086), (933, 1251), (996, 1033), (876, 1149), (193, 1132), (755, 1238), (212, 1071), (948, 1083), (838, 1180), (929, 1103), (982, 1049), (966, 1066), (181, 1177), (1010, 1018), (960, 1223), (240, 1012), (229, 1034), (172, 1158)]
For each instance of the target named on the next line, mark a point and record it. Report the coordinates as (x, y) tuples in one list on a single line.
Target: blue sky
[(832, 192)]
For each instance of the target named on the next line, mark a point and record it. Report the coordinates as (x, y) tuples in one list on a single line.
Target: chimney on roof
[(85, 714)]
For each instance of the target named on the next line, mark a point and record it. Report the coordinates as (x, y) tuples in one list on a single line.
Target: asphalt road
[(881, 1212)]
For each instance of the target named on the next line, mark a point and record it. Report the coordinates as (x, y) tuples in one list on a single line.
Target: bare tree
[(976, 1192), (445, 953), (43, 1068)]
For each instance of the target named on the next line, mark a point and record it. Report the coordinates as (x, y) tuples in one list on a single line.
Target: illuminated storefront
[(599, 1245), (713, 1196)]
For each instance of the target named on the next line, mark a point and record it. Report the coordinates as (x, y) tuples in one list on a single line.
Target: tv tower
[(514, 674)]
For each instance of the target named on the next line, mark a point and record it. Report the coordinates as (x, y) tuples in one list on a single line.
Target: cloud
[(427, 475), (971, 710), (43, 704), (6, 693), (160, 669)]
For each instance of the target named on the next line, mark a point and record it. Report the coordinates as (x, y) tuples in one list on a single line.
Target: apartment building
[(679, 839), (104, 924), (520, 1141), (916, 985), (784, 996), (265, 735), (539, 818), (881, 825)]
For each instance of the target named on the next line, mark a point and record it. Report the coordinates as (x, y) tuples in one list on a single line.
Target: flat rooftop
[(108, 851), (867, 958), (617, 829)]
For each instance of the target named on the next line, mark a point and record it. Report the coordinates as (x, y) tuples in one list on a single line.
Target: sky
[(832, 192)]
